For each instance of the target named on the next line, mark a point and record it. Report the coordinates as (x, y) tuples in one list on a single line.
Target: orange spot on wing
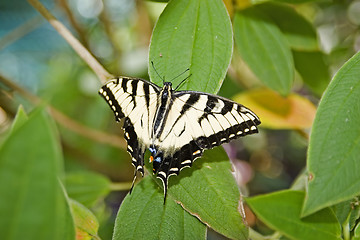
[(151, 159)]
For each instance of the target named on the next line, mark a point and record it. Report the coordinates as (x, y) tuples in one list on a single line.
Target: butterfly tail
[(133, 182)]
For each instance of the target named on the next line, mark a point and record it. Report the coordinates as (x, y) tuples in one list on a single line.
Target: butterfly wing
[(198, 121), (136, 101)]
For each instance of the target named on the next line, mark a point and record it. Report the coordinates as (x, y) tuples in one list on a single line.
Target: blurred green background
[(117, 32)]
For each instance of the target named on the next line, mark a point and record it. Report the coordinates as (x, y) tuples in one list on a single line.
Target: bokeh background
[(117, 32)]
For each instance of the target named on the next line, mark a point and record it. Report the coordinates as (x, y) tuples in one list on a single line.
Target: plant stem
[(66, 121), (99, 70), (120, 186)]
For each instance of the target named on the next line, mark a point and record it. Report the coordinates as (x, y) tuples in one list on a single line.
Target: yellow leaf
[(277, 112), (242, 4), (86, 223), (230, 7)]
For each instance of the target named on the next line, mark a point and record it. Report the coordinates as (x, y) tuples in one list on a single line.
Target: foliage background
[(315, 41)]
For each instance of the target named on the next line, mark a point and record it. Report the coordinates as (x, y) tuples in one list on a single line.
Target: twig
[(33, 99), (99, 70), (20, 31), (93, 163), (80, 31), (108, 30), (302, 133), (67, 122), (90, 133), (120, 186)]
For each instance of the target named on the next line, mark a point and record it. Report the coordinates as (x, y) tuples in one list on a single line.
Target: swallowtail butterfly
[(176, 126)]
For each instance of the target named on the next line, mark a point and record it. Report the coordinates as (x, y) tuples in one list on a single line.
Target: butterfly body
[(176, 126)]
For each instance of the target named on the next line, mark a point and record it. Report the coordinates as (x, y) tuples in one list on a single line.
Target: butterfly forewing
[(136, 100), (198, 121)]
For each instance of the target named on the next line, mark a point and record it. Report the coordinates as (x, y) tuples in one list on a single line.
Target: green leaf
[(334, 148), (208, 190), (264, 48), (297, 1), (33, 204), (305, 63), (194, 34), (20, 118), (354, 216), (143, 215), (342, 211), (281, 211), (300, 34), (87, 187), (86, 223), (356, 233)]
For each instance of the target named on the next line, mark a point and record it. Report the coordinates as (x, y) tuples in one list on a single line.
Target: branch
[(20, 31), (80, 31), (303, 133), (66, 121), (99, 70)]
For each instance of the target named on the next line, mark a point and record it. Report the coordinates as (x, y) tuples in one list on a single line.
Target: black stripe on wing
[(122, 95), (240, 120), (109, 97), (133, 147), (168, 165)]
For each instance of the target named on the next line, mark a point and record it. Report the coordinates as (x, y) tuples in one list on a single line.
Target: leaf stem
[(66, 121), (255, 235), (99, 70), (346, 228), (80, 31), (20, 31), (120, 186)]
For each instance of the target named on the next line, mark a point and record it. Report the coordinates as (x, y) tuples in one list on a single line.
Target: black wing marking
[(198, 121), (136, 100)]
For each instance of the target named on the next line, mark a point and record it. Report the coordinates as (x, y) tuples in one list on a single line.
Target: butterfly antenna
[(162, 78), (179, 85)]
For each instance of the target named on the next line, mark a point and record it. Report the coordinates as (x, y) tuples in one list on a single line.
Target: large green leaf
[(300, 34), (334, 148), (208, 190), (264, 48), (20, 118), (294, 1), (193, 34), (281, 211), (143, 215), (32, 203), (86, 187)]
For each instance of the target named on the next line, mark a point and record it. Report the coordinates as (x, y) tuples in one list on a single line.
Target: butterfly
[(176, 126)]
